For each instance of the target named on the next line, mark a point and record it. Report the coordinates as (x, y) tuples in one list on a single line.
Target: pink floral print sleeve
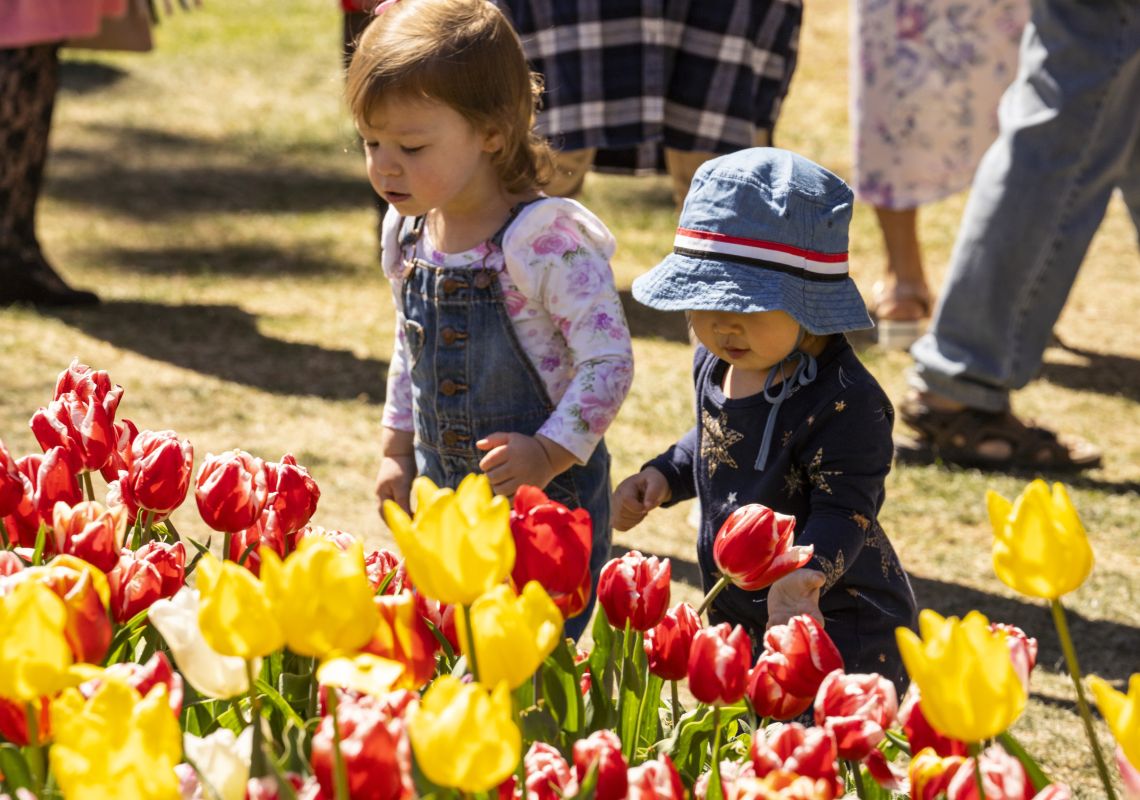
[(559, 292)]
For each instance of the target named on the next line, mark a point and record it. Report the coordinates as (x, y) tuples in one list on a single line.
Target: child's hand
[(794, 594), (637, 495), (515, 459), (394, 481)]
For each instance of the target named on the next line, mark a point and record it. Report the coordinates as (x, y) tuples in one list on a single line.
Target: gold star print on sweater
[(716, 441)]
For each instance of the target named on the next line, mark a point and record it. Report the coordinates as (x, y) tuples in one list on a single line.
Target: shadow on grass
[(250, 259), (648, 323), (1103, 647), (1103, 373), (223, 341), (86, 77)]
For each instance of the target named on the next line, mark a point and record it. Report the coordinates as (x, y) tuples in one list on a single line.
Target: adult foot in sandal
[(956, 434), (900, 311)]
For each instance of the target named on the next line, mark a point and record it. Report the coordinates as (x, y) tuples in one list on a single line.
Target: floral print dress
[(926, 77), (558, 289)]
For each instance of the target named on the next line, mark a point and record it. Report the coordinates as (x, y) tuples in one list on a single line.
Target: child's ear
[(493, 141)]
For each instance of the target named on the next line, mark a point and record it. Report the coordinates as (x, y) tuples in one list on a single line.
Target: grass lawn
[(212, 193)]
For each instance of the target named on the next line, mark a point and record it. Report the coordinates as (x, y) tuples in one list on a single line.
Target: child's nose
[(725, 325), (385, 163)]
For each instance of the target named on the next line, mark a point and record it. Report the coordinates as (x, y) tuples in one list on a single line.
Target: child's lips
[(736, 352), (396, 197)]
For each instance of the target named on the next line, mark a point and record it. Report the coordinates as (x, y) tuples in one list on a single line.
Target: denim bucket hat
[(762, 229)]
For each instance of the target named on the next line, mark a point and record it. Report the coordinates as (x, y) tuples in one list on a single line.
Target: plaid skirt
[(630, 76)]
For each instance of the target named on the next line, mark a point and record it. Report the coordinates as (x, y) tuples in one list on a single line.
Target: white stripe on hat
[(807, 260)]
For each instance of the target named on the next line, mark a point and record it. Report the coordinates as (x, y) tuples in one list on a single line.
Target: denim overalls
[(471, 377)]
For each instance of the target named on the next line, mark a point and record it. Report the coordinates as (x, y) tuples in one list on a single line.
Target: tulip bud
[(768, 697), (802, 655), (1022, 649), (84, 430), (1002, 777), (159, 471), (857, 709), (402, 635), (719, 662), (11, 483), (635, 589), (379, 564), (602, 750), (90, 386), (155, 571), (548, 776), (552, 546), (48, 480), (655, 780), (930, 774), (293, 493), (90, 531), (668, 644), (799, 750), (753, 547), (375, 748), (232, 490), (83, 590)]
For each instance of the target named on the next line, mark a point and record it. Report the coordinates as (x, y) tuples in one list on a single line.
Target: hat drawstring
[(803, 374)]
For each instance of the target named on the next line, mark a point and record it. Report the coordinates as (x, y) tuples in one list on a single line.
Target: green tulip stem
[(88, 486), (314, 689), (340, 771), (622, 669), (676, 704), (147, 523), (716, 755), (4, 534), (1070, 652), (974, 749), (471, 660), (35, 752), (173, 531), (857, 777), (226, 539), (257, 752), (717, 588)]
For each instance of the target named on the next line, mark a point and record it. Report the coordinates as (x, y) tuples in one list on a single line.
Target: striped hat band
[(807, 264)]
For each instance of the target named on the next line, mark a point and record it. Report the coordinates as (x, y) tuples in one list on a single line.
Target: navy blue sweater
[(829, 458)]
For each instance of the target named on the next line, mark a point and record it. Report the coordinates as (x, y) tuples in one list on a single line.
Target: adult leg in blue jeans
[(1070, 133)]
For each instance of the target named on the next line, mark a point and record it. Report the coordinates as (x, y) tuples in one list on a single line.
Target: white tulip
[(222, 761), (208, 671)]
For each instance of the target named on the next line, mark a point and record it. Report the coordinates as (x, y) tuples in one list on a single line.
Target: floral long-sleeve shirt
[(558, 288)]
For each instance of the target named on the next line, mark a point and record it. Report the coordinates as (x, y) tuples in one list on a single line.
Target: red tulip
[(90, 386), (548, 776), (655, 780), (635, 589), (245, 546), (48, 480), (10, 563), (120, 458), (667, 645), (84, 430), (11, 482), (552, 546), (753, 547), (1003, 778), (90, 531), (857, 709), (768, 697), (232, 490), (375, 747), (14, 722), (119, 495), (603, 749), (799, 750), (1022, 649), (159, 471), (293, 493), (144, 677), (403, 635), (919, 734), (83, 591), (379, 564), (155, 571), (801, 654), (719, 662)]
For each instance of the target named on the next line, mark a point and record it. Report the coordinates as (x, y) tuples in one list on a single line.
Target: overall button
[(451, 285), (449, 387), (450, 335), (450, 438), (482, 279)]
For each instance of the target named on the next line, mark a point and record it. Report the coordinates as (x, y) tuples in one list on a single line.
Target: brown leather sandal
[(899, 334), (957, 437)]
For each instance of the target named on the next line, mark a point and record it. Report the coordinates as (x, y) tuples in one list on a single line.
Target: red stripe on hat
[(810, 255)]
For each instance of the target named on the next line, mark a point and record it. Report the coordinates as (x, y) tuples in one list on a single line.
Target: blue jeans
[(1070, 134)]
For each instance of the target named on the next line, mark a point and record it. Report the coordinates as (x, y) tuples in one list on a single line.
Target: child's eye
[(371, 145), (411, 150)]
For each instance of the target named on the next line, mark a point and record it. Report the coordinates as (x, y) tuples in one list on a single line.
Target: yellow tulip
[(459, 544), (513, 634), (363, 672), (234, 612), (1122, 713), (321, 596), (465, 737), (115, 744), (970, 690), (35, 658), (1040, 547)]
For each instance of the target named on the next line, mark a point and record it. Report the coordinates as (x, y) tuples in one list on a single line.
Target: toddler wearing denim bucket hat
[(787, 416)]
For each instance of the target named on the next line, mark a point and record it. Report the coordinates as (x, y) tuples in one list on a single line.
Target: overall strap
[(516, 209)]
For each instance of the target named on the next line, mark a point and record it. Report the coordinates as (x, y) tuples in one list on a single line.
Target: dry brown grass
[(210, 192)]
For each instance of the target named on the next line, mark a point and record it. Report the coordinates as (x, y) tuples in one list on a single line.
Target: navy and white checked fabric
[(638, 74)]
